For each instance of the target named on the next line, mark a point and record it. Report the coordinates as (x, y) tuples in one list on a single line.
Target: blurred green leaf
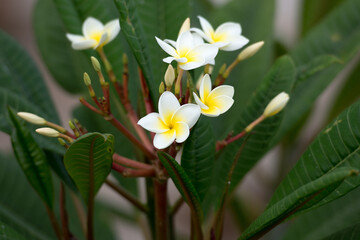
[(183, 184), (133, 31), (348, 94), (336, 146), (8, 233), (32, 160), (198, 157), (338, 35), (294, 201), (351, 233), (88, 161), (280, 78), (20, 207), (328, 219)]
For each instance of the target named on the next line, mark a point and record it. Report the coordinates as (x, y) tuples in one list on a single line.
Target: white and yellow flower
[(214, 102), (188, 51), (226, 37), (95, 34), (172, 123)]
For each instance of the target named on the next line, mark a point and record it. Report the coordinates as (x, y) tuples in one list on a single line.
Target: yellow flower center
[(96, 36)]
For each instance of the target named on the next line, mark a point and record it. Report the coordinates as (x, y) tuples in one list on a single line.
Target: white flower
[(276, 104), (95, 34), (214, 102), (188, 51), (32, 118), (226, 37), (173, 122)]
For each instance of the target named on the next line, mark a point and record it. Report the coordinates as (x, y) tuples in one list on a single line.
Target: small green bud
[(62, 142), (96, 64), (222, 69), (250, 51), (71, 125), (161, 88), (87, 79), (125, 58), (169, 76)]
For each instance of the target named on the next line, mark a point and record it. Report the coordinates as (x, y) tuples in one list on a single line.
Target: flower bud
[(125, 58), (87, 79), (169, 76), (250, 51), (32, 118), (161, 88), (276, 104), (96, 64), (185, 26), (48, 132)]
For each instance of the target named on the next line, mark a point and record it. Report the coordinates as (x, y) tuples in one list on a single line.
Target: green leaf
[(20, 207), (294, 201), (280, 78), (8, 233), (336, 146), (327, 220), (32, 160), (198, 156), (88, 161), (337, 35), (133, 31), (183, 184), (351, 233)]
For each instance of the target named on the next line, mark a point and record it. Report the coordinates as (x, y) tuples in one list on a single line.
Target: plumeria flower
[(95, 34), (172, 123), (214, 102), (226, 37), (188, 51)]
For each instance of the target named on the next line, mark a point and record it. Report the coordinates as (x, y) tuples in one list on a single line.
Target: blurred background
[(16, 19)]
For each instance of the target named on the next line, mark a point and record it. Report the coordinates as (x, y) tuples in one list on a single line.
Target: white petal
[(91, 26), (223, 103), (74, 37), (188, 113), (236, 43), (102, 40), (199, 102), (197, 39), (85, 44), (181, 60), (207, 51), (166, 47), (220, 44), (163, 140), (168, 59), (168, 104), (112, 28), (206, 26), (225, 90), (185, 43), (205, 87), (193, 65), (229, 28), (171, 42), (153, 123), (211, 112), (182, 131), (201, 34)]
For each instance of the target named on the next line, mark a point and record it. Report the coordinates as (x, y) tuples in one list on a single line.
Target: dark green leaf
[(294, 201), (336, 146), (20, 207), (88, 161), (337, 35), (198, 156), (351, 233), (32, 160), (8, 233), (132, 29), (183, 184)]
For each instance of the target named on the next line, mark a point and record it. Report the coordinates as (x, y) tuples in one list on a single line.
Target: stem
[(177, 206), (127, 196), (145, 91), (178, 85), (128, 172), (54, 222), (130, 163), (161, 209), (89, 106), (230, 68), (63, 214), (79, 211), (130, 136)]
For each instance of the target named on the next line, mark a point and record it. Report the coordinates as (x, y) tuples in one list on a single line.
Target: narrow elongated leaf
[(88, 161), (133, 31), (8, 233), (327, 220), (338, 35), (183, 184), (336, 146), (351, 233), (32, 160), (294, 201), (20, 207), (198, 156), (280, 78)]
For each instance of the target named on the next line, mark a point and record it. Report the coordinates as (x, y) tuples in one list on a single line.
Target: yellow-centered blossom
[(214, 102), (172, 123), (95, 34), (226, 37)]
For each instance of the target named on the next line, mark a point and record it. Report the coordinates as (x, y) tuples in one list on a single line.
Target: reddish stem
[(89, 106), (128, 172), (130, 163)]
